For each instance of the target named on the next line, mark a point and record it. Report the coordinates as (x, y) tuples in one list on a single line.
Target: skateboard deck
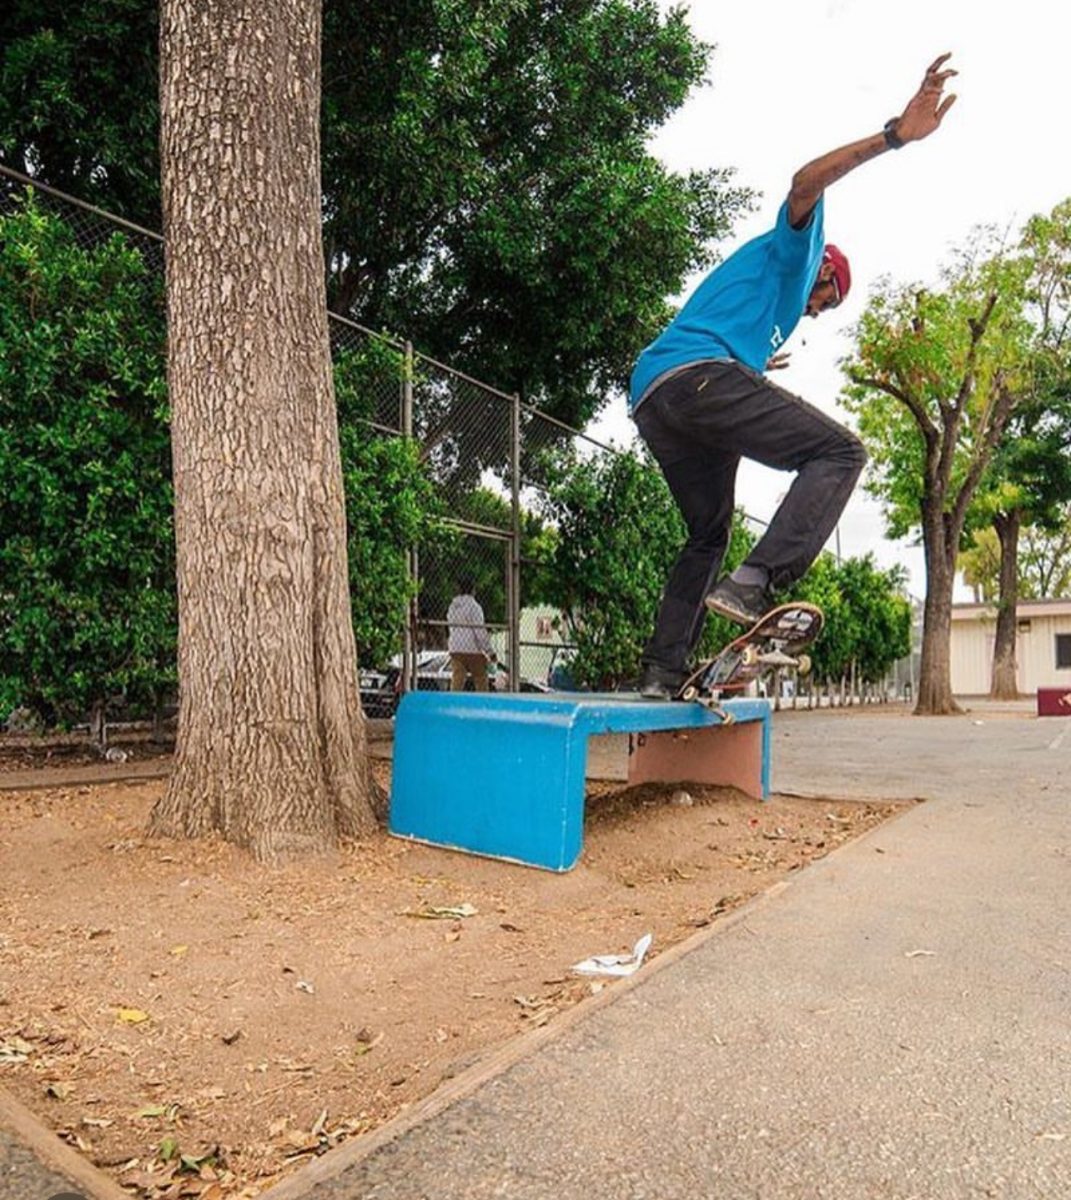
[(775, 640)]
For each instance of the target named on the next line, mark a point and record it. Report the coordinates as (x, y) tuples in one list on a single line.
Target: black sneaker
[(657, 683), (740, 602)]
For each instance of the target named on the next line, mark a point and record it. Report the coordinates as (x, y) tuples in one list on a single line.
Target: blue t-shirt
[(745, 308)]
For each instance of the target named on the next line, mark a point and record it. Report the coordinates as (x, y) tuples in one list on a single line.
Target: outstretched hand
[(926, 109), (779, 361)]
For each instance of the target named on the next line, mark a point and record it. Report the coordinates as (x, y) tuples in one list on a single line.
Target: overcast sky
[(789, 81)]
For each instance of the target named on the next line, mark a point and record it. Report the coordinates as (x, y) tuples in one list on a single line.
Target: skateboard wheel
[(803, 664), (690, 693), (750, 656)]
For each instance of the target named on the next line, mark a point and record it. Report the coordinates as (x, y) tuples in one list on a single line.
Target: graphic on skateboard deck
[(775, 640)]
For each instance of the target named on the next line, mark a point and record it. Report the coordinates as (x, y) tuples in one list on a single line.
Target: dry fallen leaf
[(132, 1016), (15, 1050), (366, 1041)]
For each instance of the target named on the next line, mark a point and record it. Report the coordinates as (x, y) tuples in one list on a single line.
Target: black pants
[(698, 425)]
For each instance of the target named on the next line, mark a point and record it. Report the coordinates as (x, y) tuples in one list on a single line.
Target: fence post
[(409, 668), (513, 591)]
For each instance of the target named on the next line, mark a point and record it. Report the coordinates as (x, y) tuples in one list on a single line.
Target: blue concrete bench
[(503, 774)]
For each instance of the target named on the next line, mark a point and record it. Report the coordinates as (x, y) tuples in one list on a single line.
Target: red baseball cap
[(842, 273)]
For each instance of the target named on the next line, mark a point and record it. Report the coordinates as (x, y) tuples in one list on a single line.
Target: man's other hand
[(926, 109)]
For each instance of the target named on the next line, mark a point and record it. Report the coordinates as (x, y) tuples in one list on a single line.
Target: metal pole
[(513, 591), (409, 668)]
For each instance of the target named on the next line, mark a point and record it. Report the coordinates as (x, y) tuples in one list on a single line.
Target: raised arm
[(924, 112)]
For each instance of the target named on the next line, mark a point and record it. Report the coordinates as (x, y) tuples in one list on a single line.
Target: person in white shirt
[(469, 645)]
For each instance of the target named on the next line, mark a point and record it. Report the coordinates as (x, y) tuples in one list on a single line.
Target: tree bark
[(271, 739), (1005, 680), (935, 668)]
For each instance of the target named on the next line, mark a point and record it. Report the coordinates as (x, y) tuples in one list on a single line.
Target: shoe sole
[(734, 614)]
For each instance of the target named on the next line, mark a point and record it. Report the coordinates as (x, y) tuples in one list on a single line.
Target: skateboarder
[(701, 402)]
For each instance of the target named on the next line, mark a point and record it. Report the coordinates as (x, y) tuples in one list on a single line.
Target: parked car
[(432, 670), (379, 693)]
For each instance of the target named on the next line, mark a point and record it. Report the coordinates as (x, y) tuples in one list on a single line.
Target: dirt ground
[(199, 1026)]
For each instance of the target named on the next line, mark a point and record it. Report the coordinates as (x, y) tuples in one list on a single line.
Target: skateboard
[(775, 640)]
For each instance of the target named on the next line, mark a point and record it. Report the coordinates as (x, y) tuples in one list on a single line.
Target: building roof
[(1024, 609)]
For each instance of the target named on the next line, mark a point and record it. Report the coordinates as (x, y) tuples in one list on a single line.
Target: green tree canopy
[(87, 572), (487, 187)]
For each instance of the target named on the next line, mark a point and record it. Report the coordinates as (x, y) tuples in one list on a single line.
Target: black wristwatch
[(893, 141)]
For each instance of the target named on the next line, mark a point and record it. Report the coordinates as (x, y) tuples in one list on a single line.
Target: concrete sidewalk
[(893, 1024)]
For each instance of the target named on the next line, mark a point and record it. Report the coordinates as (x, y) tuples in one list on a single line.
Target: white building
[(542, 643), (1042, 651)]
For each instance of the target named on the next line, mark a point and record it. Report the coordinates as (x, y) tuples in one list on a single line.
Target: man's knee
[(852, 455)]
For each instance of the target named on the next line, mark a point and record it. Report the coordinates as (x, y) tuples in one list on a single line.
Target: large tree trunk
[(935, 669), (271, 740), (1005, 681)]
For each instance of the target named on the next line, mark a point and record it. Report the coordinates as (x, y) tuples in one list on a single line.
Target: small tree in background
[(87, 589), (831, 654), (879, 616), (934, 379)]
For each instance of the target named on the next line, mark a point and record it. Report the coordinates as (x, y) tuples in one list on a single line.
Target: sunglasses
[(837, 297)]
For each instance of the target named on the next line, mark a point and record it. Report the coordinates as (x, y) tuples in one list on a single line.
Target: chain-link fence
[(480, 447)]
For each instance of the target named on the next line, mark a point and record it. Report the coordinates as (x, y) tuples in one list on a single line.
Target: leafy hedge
[(87, 588), (86, 548)]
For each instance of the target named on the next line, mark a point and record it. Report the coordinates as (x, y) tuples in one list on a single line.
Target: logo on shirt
[(777, 338)]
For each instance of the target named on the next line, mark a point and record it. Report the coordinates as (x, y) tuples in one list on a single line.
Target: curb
[(303, 1182), (92, 776), (57, 1156), (334, 1163)]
